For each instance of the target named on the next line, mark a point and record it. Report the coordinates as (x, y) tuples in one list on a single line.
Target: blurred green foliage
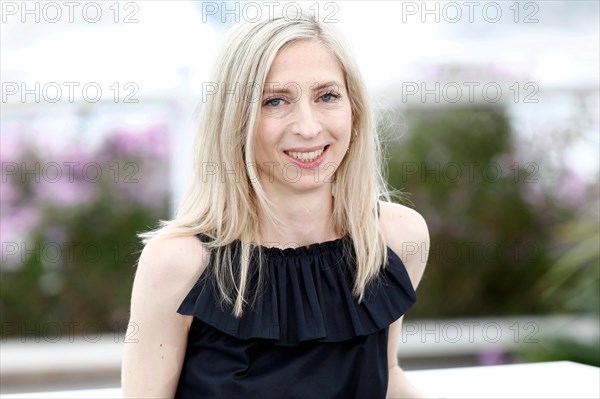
[(571, 284), (493, 224), (69, 237), (561, 348), (503, 241)]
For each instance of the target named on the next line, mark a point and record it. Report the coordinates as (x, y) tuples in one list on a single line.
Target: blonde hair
[(225, 207)]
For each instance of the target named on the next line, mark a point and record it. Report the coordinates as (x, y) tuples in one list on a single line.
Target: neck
[(306, 218)]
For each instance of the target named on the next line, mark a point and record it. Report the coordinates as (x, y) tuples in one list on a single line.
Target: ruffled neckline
[(307, 295), (307, 250)]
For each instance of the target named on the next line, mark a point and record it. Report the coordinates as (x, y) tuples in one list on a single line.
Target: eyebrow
[(285, 89), (333, 83)]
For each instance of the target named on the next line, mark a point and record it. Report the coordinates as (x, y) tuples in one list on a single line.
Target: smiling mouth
[(307, 157)]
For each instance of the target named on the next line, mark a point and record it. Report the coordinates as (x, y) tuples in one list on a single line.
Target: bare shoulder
[(168, 268), (403, 224), (169, 254), (172, 263), (406, 233)]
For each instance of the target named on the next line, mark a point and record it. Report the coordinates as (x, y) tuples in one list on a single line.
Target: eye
[(330, 96), (273, 102)]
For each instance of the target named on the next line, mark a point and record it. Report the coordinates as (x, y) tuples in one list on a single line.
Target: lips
[(308, 156)]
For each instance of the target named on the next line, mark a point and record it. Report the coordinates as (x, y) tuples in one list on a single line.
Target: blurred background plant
[(504, 241), (69, 224)]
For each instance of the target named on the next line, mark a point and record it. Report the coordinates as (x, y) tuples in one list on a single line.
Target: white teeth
[(306, 156)]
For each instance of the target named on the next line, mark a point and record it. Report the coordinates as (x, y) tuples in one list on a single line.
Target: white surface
[(84, 393), (532, 380), (90, 353)]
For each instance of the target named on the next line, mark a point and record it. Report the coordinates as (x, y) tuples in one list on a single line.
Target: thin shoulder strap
[(378, 212)]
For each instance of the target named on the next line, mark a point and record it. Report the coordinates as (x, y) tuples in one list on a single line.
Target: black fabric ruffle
[(307, 295)]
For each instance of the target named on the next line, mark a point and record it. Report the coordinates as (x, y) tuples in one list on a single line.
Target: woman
[(279, 276)]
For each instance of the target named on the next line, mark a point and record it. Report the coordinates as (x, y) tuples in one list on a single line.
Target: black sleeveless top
[(306, 337)]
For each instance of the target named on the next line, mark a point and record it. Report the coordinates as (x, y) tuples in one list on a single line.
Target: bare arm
[(398, 385), (407, 235), (157, 335)]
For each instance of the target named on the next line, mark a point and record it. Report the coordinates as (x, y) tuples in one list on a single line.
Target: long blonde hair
[(223, 198)]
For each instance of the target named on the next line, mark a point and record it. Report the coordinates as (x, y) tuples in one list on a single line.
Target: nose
[(306, 120)]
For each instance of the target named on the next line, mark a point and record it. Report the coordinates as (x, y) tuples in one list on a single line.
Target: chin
[(307, 183)]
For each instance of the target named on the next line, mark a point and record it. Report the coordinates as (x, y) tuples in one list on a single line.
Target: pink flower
[(12, 147), (64, 193), (152, 142), (16, 227), (10, 194), (571, 189)]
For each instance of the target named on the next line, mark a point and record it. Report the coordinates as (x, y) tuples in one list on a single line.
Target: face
[(306, 120)]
